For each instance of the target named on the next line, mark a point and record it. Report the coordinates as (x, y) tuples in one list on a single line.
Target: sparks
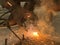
[(35, 34)]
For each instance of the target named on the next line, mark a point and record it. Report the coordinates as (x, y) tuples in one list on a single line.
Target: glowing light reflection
[(9, 3), (35, 34)]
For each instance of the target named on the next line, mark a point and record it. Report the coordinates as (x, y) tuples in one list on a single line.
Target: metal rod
[(6, 41), (12, 31), (6, 13), (7, 24)]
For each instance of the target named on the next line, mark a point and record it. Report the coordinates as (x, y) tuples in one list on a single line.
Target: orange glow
[(28, 15), (35, 34)]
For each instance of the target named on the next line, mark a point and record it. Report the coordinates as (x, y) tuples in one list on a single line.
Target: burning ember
[(35, 34)]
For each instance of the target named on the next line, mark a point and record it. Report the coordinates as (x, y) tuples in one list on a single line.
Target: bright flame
[(35, 34)]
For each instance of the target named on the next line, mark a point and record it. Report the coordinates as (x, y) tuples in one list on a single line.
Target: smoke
[(44, 15), (44, 25)]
